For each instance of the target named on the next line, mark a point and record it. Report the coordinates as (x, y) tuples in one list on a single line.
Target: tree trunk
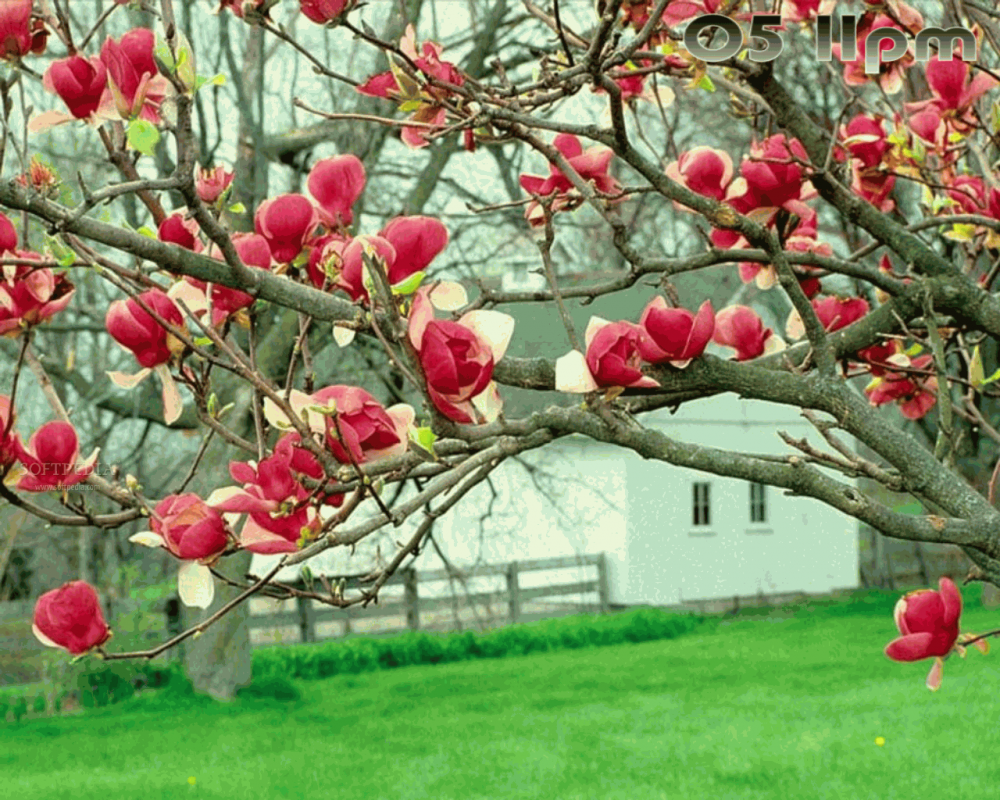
[(218, 662)]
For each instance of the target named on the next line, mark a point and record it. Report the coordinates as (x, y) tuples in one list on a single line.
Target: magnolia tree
[(879, 223)]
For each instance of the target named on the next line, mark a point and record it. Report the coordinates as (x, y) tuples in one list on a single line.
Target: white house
[(671, 534)]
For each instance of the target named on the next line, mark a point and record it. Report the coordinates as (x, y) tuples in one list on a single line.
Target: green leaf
[(142, 136), (203, 341), (913, 350), (961, 232), (993, 377), (148, 232), (410, 285), (185, 63), (215, 80), (237, 208), (161, 52), (424, 438), (706, 83)]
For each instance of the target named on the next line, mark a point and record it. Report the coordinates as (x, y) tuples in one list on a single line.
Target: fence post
[(513, 593), (603, 591), (307, 619), (411, 598)]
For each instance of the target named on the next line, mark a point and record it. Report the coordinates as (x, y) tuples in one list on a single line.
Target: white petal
[(89, 461), (794, 329), (449, 296), (488, 402), (774, 344), (343, 336), (595, 324), (192, 297), (44, 121), (275, 415), (195, 585), (43, 638), (172, 403), (572, 374), (493, 327), (766, 278), (125, 381), (147, 538)]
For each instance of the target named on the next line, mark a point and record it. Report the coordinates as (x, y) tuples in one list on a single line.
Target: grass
[(785, 705)]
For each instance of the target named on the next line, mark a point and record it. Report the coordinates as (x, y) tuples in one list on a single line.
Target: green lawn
[(760, 708)]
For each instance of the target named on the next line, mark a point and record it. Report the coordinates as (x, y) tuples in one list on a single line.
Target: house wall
[(803, 545)]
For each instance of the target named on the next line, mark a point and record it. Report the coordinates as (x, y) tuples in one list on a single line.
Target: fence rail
[(419, 610)]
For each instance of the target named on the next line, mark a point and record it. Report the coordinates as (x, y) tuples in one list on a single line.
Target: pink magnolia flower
[(325, 260), (928, 624), (674, 334), (704, 170), (833, 312), (8, 235), (866, 140), (181, 230), (30, 295), (279, 513), (890, 76), (253, 251), (458, 357), (417, 241), (800, 10), (79, 82), (136, 87), (878, 358), (134, 329), (305, 464), (194, 532), (772, 179), (70, 617), (346, 261), (189, 528), (8, 451), (591, 165), (285, 221), (242, 8), (211, 183), (914, 394), (324, 11), (52, 459), (425, 100), (956, 88), (774, 175), (739, 327), (613, 355), (19, 33), (360, 428), (336, 184)]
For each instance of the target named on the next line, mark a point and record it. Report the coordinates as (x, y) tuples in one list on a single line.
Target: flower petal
[(573, 375), (125, 381), (195, 585), (147, 539)]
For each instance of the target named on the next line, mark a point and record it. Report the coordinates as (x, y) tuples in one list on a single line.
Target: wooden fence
[(458, 608)]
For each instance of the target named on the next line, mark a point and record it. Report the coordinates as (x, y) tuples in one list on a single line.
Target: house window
[(758, 502), (700, 506)]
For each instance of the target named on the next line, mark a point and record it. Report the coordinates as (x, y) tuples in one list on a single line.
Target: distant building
[(672, 535)]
